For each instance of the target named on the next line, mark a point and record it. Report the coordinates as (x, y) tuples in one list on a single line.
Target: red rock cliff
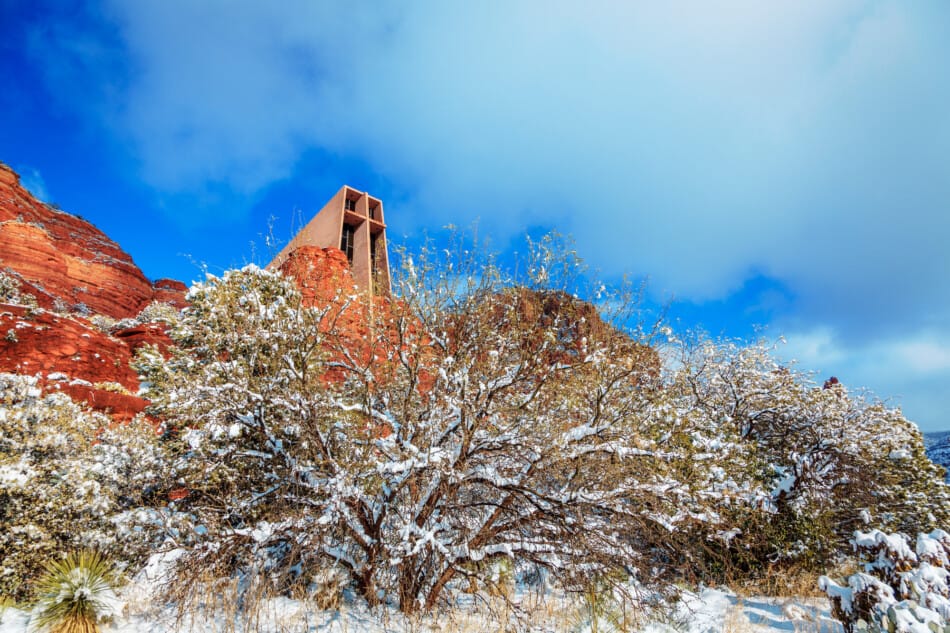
[(62, 256), (59, 257), (69, 355)]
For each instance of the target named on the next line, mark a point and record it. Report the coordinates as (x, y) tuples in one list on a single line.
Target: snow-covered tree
[(68, 480), (832, 461), (411, 443)]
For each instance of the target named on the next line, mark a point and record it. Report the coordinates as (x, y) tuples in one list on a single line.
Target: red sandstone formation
[(69, 355), (324, 279), (122, 407), (45, 342), (147, 334), (64, 261), (61, 256), (319, 273), (170, 291)]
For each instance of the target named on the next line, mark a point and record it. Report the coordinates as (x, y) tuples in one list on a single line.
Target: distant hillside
[(938, 449)]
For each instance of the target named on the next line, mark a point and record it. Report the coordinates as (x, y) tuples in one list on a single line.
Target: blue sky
[(774, 164)]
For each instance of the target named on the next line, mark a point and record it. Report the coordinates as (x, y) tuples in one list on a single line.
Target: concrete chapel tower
[(352, 221)]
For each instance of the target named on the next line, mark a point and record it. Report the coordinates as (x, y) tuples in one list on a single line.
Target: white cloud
[(684, 140), (815, 349), (912, 371), (924, 356), (913, 356)]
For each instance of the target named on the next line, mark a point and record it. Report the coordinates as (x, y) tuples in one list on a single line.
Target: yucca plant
[(6, 602), (76, 593)]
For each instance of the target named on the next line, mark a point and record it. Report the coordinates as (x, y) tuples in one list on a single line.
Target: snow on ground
[(539, 611), (709, 611), (717, 611)]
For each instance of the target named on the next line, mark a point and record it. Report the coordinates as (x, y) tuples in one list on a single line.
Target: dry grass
[(229, 605), (782, 582), (786, 580), (218, 609), (6, 602), (804, 615), (736, 621), (803, 620), (218, 598)]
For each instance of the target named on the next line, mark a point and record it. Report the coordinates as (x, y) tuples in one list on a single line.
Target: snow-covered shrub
[(103, 323), (158, 312), (11, 291), (76, 593), (412, 444), (901, 590), (114, 387), (832, 461), (64, 476), (155, 312)]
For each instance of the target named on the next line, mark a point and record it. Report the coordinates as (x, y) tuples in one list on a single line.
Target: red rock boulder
[(146, 334), (170, 291)]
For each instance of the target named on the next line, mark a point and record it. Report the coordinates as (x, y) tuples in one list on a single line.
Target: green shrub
[(158, 312), (419, 444), (482, 418), (832, 461)]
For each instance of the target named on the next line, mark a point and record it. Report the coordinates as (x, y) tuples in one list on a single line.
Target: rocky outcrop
[(147, 334), (73, 270), (170, 291), (41, 341), (319, 273), (67, 262), (69, 355), (121, 406), (322, 275)]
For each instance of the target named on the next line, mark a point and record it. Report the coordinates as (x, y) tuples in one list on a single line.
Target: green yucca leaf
[(6, 602), (76, 592)]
